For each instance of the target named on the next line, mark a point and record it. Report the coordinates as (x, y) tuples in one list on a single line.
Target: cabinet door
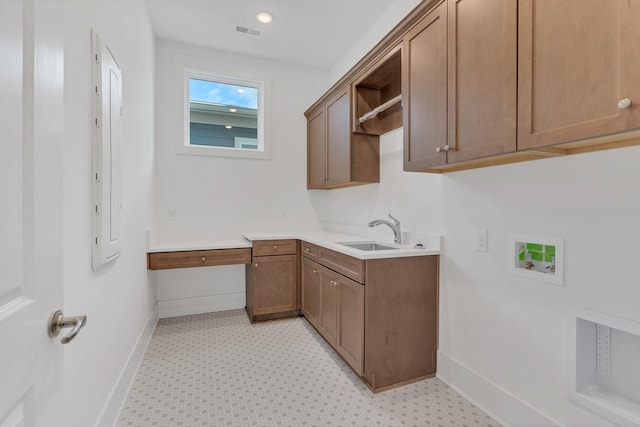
[(328, 318), (424, 91), (482, 74), (350, 343), (577, 60), (316, 150), (310, 288), (339, 140), (274, 284)]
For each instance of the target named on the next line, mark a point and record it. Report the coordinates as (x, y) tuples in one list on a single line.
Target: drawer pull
[(204, 258), (255, 265), (306, 249), (314, 271), (275, 247)]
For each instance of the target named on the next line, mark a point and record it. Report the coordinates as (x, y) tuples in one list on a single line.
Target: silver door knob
[(624, 103), (57, 322)]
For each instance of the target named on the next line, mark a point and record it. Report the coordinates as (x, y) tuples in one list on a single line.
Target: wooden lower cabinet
[(350, 338), (339, 303), (310, 291), (328, 319), (272, 286), (385, 329), (401, 320)]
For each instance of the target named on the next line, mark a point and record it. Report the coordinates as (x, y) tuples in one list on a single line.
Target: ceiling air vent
[(250, 31)]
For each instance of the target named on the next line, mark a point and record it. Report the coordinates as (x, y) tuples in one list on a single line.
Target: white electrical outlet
[(172, 215), (482, 241)]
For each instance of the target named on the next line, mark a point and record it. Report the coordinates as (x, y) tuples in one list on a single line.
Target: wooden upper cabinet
[(460, 84), (316, 149), (482, 72), (577, 60), (424, 91), (338, 140), (337, 157)]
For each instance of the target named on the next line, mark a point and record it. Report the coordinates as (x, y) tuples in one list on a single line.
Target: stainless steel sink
[(369, 246)]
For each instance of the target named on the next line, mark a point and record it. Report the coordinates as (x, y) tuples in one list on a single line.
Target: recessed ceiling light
[(264, 17), (228, 126), (233, 110)]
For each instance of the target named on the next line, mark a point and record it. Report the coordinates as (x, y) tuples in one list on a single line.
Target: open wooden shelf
[(375, 87)]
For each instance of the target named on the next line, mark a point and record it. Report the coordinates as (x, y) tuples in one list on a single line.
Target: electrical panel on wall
[(107, 120)]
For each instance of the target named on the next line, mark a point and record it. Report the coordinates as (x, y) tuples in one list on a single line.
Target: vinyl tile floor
[(217, 369)]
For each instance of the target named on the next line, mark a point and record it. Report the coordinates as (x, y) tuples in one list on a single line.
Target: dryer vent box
[(604, 365)]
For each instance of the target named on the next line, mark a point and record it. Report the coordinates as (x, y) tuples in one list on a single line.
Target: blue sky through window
[(222, 93)]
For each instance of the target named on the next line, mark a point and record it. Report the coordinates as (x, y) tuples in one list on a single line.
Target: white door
[(31, 120)]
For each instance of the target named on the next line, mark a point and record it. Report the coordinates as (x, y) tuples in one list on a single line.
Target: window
[(223, 116)]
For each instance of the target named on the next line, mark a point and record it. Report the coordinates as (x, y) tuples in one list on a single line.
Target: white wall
[(396, 11), (511, 330), (224, 197), (119, 299), (502, 337), (413, 198), (506, 333)]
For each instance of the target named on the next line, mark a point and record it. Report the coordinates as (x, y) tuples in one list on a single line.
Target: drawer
[(309, 250), (185, 259), (274, 247), (346, 265)]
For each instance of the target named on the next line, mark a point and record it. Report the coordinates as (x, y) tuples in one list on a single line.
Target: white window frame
[(192, 68)]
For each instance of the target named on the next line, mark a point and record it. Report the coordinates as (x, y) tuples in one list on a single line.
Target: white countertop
[(198, 245), (326, 239), (332, 241)]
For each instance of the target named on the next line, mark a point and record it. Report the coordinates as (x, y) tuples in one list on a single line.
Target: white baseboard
[(198, 305), (111, 409), (504, 407)]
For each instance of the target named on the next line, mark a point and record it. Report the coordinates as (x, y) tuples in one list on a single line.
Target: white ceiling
[(314, 33)]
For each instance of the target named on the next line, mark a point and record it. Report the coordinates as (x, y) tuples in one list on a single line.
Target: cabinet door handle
[(438, 149), (255, 265), (314, 271), (624, 103)]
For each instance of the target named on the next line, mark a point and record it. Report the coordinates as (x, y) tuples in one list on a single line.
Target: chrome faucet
[(397, 233)]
